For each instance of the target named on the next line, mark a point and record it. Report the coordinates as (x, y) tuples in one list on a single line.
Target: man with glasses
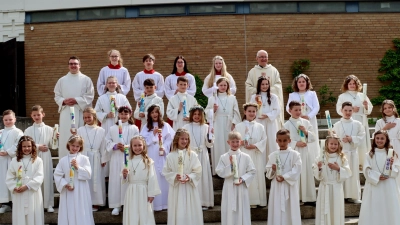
[(72, 91), (271, 73)]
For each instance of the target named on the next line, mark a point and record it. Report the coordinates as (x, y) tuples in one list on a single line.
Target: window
[(290, 7), (161, 10), (322, 7), (220, 8), (379, 6), (53, 16), (106, 13)]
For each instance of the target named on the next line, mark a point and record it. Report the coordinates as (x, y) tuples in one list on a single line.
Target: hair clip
[(73, 137), (125, 108), (196, 107)]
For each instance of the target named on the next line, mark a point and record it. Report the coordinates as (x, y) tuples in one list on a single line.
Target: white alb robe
[(312, 108), (160, 201), (140, 77), (275, 84), (173, 107), (116, 190), (79, 87), (122, 75), (184, 205), (148, 101), (94, 149), (330, 200), (307, 183), (355, 129), (43, 135), (9, 138), (394, 133), (256, 134), (356, 99), (208, 91), (226, 115), (199, 143), (270, 124), (28, 205), (142, 183), (171, 82), (381, 198), (235, 204), (283, 199), (75, 206)]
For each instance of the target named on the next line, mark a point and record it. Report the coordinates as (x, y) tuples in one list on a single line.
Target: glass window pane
[(317, 7), (379, 6), (222, 8), (289, 7), (53, 16), (106, 13), (161, 10)]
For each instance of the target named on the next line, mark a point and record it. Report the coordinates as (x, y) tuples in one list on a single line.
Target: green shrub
[(199, 96)]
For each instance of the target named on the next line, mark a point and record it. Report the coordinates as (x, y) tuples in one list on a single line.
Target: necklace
[(337, 157), (383, 169), (344, 131), (134, 170), (226, 102), (263, 101), (195, 140), (70, 165), (26, 167), (354, 96), (283, 166), (127, 137), (90, 143), (2, 142), (247, 135), (34, 135)]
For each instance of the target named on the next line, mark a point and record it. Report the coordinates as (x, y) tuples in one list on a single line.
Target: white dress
[(394, 133), (122, 75), (142, 183), (148, 101), (80, 87), (226, 115), (356, 98), (283, 199), (184, 205), (255, 133), (353, 128), (271, 125), (173, 107), (116, 190), (208, 91), (312, 108), (171, 81), (307, 183), (160, 201), (75, 206), (94, 149), (235, 205), (140, 77), (199, 143), (43, 135), (28, 205), (9, 139), (381, 198), (330, 201)]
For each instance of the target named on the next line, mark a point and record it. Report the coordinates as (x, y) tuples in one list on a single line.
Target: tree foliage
[(199, 96)]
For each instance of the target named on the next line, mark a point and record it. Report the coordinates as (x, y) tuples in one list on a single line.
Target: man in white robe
[(72, 90)]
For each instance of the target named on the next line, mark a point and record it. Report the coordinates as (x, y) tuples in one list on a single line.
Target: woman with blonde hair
[(218, 69)]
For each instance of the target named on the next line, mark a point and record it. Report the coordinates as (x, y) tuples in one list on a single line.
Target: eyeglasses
[(262, 57), (114, 56), (180, 62), (73, 64)]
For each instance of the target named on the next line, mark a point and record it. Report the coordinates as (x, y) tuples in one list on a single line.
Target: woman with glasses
[(179, 69)]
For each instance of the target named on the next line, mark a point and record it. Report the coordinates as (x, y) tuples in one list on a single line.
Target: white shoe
[(97, 209), (50, 209), (204, 208), (116, 211), (356, 201), (5, 208)]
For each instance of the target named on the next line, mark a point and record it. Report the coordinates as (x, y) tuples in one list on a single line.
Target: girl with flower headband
[(199, 136), (362, 107), (391, 123), (24, 179), (75, 201), (254, 144), (158, 135), (183, 172), (116, 141)]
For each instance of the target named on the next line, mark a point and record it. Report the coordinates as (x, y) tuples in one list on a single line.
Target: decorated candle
[(278, 164), (322, 156), (141, 102), (72, 113), (19, 177), (235, 169), (328, 121), (121, 140), (71, 176), (160, 142), (1, 143), (386, 170), (126, 155), (215, 97), (301, 133), (365, 92), (112, 103), (303, 106), (184, 107), (180, 164), (54, 140), (210, 118), (259, 103)]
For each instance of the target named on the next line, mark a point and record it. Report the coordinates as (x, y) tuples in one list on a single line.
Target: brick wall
[(336, 44)]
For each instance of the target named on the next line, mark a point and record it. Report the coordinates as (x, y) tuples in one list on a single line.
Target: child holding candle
[(284, 168), (331, 170), (116, 147), (43, 135), (142, 185), (362, 107), (180, 103), (255, 143), (27, 168), (381, 199), (235, 205), (156, 152), (309, 107), (150, 99), (391, 123), (75, 201), (198, 131), (183, 171), (270, 111), (226, 115), (351, 134), (10, 136), (301, 135), (94, 149)]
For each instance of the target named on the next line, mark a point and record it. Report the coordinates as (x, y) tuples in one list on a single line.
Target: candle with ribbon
[(160, 142), (180, 164), (126, 155), (19, 177), (141, 102), (303, 106), (328, 121), (121, 139), (364, 92), (185, 114), (215, 97), (386, 170), (301, 133), (259, 104), (72, 113), (278, 164), (235, 169), (210, 118), (1, 143), (71, 176), (112, 103), (54, 140)]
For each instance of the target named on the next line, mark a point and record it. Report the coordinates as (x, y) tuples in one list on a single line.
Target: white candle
[(386, 170), (215, 97), (112, 103), (121, 139), (365, 91), (235, 170), (72, 113), (180, 164), (303, 106), (278, 164), (54, 142), (301, 133), (328, 121), (259, 103), (71, 176), (211, 122)]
